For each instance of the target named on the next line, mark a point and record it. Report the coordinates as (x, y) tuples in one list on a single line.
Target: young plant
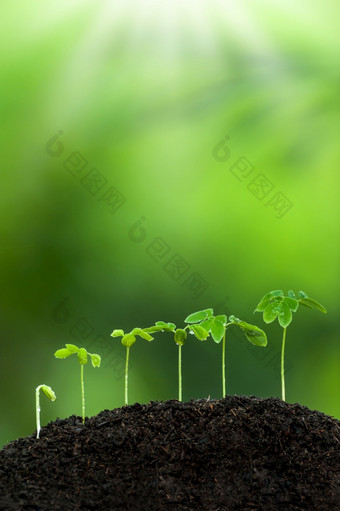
[(129, 340), (276, 305), (180, 336), (82, 359), (217, 326), (48, 393)]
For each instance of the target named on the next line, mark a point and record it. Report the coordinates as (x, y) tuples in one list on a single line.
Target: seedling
[(217, 326), (82, 359), (129, 340), (276, 305), (48, 393), (180, 336)]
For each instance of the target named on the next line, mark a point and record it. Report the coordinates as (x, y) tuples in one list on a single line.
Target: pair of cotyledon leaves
[(81, 354), (276, 305), (200, 324)]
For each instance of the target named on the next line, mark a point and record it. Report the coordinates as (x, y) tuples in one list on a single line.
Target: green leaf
[(233, 319), (117, 333), (277, 292), (222, 318), (291, 294), (271, 311), (253, 333), (217, 330), (312, 304), (302, 294), (72, 348), (180, 336), (292, 303), (63, 353), (128, 340), (95, 359), (161, 326), (142, 333), (206, 324), (82, 356), (267, 299), (195, 317), (285, 315), (48, 392), (200, 333), (153, 329), (171, 326), (264, 302)]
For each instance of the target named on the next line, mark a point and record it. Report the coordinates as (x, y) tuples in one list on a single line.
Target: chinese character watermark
[(260, 186), (93, 181)]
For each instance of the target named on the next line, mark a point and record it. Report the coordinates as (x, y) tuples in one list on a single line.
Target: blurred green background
[(159, 157)]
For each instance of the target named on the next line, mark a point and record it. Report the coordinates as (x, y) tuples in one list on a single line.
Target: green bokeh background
[(144, 91)]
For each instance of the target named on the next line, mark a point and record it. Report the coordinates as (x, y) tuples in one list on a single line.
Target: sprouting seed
[(48, 393)]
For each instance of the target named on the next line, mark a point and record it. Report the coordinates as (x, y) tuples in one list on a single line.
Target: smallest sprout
[(48, 393)]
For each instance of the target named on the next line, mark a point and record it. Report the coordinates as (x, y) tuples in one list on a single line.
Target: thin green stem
[(223, 365), (37, 409), (127, 374), (283, 390), (179, 372), (82, 392)]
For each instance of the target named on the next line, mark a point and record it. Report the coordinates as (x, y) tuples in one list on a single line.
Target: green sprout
[(82, 359), (217, 326), (48, 393), (180, 336), (129, 340), (276, 305)]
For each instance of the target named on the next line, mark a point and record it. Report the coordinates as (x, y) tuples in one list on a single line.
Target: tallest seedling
[(276, 305)]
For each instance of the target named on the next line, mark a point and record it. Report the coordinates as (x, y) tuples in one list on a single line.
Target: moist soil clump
[(238, 453)]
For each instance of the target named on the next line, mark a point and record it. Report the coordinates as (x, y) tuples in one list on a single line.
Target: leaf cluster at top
[(81, 354), (216, 326), (276, 305)]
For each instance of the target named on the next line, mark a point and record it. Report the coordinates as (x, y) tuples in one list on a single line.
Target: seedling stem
[(179, 372), (223, 364), (127, 374), (283, 391)]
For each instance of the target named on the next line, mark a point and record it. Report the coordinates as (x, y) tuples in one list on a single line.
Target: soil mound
[(238, 453)]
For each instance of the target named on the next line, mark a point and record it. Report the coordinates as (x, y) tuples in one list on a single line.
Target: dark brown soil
[(242, 453)]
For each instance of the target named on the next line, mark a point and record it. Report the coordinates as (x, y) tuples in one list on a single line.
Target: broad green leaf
[(313, 304), (72, 348), (222, 318), (82, 356), (292, 303), (95, 359), (63, 353), (285, 315), (142, 333), (117, 333), (180, 336), (48, 392), (217, 330), (264, 302), (199, 316), (171, 326), (200, 333), (302, 294), (271, 311), (153, 329), (291, 294), (128, 340), (206, 324), (161, 326), (277, 292), (253, 333)]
